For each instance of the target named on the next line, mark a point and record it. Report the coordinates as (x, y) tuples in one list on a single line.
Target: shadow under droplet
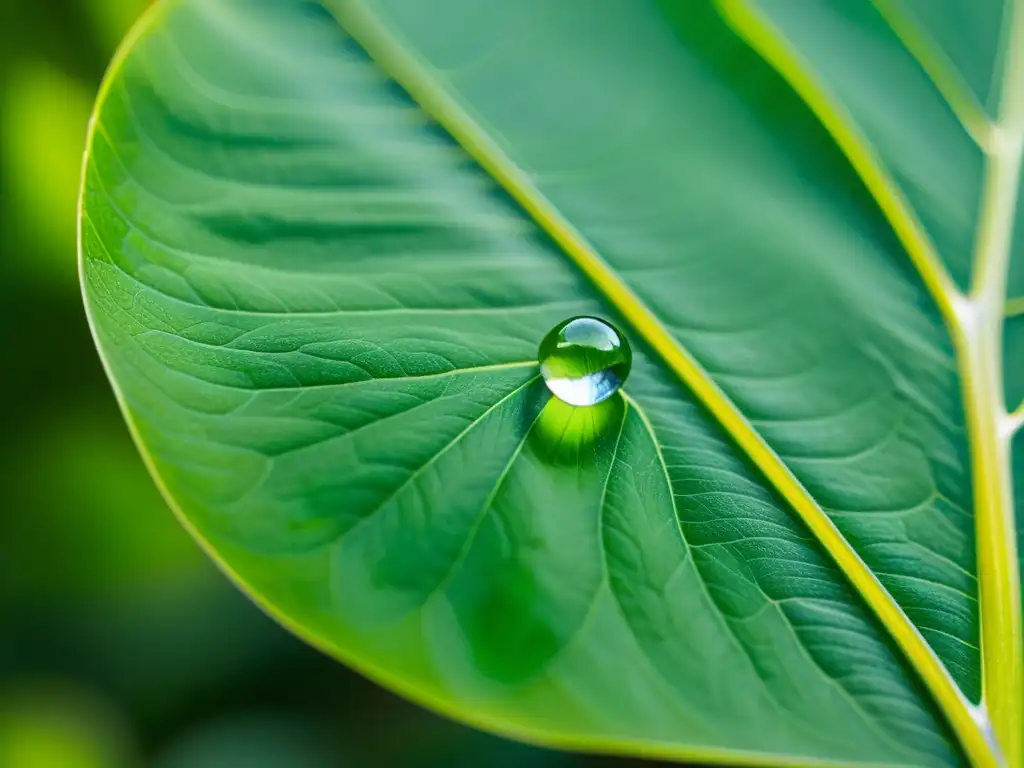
[(568, 434)]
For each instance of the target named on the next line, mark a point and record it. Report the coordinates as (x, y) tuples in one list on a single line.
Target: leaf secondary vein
[(942, 72), (418, 472), (413, 76), (726, 626)]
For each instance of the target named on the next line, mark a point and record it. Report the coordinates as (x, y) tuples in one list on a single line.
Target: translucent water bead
[(584, 360)]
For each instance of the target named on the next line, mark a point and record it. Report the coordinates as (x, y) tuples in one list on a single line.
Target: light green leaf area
[(320, 247)]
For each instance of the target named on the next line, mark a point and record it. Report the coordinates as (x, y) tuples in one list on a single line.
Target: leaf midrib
[(415, 77), (1002, 622)]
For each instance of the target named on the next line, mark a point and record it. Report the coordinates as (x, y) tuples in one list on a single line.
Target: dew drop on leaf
[(584, 360)]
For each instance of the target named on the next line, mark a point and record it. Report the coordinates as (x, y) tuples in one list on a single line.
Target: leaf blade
[(264, 339)]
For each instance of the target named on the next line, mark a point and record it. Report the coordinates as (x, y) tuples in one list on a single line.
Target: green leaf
[(321, 244)]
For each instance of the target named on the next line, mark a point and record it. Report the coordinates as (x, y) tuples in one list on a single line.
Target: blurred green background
[(120, 644)]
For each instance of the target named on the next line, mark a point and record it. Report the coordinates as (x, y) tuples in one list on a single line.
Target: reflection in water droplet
[(584, 360)]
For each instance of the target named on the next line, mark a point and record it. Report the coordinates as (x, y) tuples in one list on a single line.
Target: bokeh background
[(120, 644)]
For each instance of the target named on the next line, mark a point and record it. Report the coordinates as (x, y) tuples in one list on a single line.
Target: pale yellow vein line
[(478, 520), (764, 38), (413, 76), (990, 427), (940, 69), (1014, 421), (1014, 307), (410, 481)]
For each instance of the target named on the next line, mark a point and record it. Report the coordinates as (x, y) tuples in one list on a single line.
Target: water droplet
[(584, 360)]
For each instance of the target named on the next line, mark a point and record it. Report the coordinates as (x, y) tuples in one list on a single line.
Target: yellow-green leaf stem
[(1014, 420), (1014, 307), (1002, 626)]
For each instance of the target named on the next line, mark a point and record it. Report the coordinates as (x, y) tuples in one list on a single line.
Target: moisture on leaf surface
[(321, 243), (584, 360)]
